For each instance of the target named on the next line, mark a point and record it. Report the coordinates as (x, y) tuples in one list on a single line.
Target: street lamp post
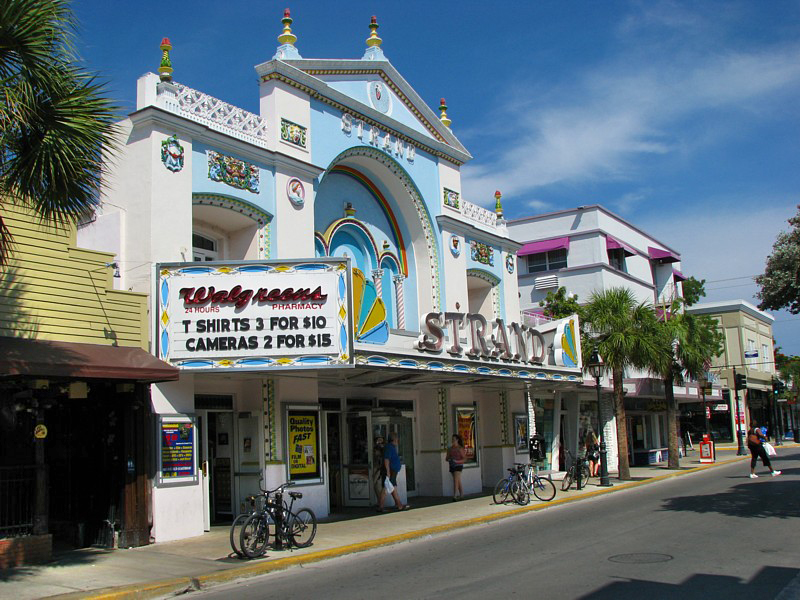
[(702, 383), (596, 368)]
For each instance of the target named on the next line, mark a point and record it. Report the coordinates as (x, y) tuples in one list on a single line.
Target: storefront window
[(521, 433), (587, 422)]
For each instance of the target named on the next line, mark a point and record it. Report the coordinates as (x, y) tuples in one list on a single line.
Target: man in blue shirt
[(391, 460)]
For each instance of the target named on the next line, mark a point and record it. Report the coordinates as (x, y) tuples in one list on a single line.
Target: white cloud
[(600, 127)]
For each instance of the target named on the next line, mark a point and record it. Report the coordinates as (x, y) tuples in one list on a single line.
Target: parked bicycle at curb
[(508, 487), (530, 482), (522, 481), (256, 504), (580, 478), (291, 529)]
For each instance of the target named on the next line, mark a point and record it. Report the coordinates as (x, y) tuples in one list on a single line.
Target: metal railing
[(17, 500)]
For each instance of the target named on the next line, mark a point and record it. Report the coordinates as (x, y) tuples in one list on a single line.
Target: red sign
[(708, 412)]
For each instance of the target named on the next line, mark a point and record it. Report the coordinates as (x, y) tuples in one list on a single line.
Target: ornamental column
[(401, 301), (377, 279)]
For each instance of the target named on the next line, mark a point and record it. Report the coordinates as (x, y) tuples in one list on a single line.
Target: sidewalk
[(166, 568)]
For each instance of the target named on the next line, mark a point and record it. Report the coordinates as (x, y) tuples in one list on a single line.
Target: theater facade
[(319, 277)]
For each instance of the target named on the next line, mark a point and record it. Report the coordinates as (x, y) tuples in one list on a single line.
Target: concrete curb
[(184, 584)]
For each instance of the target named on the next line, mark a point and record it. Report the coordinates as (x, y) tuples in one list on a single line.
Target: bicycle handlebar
[(277, 489)]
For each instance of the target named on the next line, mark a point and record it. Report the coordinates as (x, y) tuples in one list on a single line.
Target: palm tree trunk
[(672, 425), (622, 426)]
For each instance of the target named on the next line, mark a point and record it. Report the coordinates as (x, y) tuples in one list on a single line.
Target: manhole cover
[(640, 558)]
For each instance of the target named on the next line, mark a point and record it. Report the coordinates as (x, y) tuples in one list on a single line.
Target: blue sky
[(681, 117)]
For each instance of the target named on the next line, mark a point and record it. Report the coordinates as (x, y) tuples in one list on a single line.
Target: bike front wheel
[(303, 528), (236, 533), (544, 489), (584, 476), (567, 481), (502, 491), (254, 536), (520, 492)]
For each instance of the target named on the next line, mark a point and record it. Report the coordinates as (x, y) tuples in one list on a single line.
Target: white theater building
[(318, 276)]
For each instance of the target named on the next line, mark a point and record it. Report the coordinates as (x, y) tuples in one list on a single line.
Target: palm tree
[(54, 118), (688, 344), (625, 333)]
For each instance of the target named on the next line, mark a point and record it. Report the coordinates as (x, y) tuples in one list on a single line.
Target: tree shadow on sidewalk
[(763, 498)]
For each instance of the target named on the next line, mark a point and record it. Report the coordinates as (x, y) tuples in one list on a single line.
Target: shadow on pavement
[(66, 558), (767, 583), (746, 500)]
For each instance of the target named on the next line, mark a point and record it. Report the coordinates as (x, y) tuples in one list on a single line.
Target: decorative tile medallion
[(232, 171), (455, 245), (172, 154), (296, 191), (510, 263), (481, 253), (293, 133), (379, 96), (451, 198)]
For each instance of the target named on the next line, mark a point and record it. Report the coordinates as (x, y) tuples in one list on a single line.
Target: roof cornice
[(153, 115), (476, 233), (443, 144), (586, 208)]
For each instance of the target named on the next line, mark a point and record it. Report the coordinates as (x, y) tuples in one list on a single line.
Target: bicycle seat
[(296, 495)]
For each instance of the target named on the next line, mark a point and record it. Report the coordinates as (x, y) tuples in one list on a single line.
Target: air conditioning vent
[(546, 282)]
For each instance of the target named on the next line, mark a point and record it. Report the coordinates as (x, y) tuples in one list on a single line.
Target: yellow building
[(75, 425)]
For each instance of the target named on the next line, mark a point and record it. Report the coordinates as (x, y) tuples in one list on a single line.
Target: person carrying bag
[(756, 443)]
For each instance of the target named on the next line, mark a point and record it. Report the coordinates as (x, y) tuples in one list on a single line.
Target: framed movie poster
[(521, 433), (303, 444), (177, 450), (467, 428)]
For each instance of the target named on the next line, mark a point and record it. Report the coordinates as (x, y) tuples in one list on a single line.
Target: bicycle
[(581, 478), (531, 482), (241, 519), (508, 487), (292, 529)]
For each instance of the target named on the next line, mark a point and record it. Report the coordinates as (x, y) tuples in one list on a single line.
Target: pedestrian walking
[(379, 468), (391, 461), (592, 445), (456, 454), (755, 443)]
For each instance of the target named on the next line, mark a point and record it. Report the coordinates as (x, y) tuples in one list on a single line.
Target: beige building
[(748, 351)]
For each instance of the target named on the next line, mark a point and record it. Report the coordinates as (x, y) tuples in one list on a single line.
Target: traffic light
[(741, 381), (726, 395)]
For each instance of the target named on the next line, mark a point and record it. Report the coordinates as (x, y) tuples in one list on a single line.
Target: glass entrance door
[(403, 427), (357, 467)]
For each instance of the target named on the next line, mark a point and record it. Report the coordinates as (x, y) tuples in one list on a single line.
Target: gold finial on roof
[(443, 109), (165, 68), (373, 39), (287, 37)]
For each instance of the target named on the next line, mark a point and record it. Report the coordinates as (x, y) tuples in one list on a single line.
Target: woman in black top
[(755, 443)]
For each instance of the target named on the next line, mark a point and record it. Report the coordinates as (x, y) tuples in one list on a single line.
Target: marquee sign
[(255, 315), (512, 343)]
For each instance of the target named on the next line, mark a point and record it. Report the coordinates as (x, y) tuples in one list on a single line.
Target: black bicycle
[(572, 473), (291, 529)]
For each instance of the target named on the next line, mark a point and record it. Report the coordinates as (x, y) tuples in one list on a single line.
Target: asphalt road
[(712, 534)]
